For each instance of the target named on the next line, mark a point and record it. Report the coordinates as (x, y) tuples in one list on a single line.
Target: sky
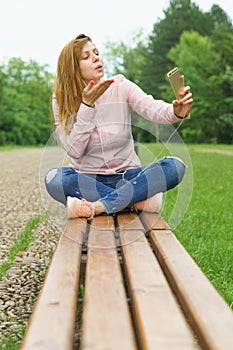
[(38, 30)]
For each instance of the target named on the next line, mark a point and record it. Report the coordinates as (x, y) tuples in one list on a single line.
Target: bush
[(225, 129)]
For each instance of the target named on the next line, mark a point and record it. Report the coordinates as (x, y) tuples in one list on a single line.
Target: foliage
[(211, 83), (25, 89), (127, 60), (201, 45), (181, 15), (225, 128)]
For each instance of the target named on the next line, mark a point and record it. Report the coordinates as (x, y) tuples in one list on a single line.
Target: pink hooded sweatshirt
[(101, 141)]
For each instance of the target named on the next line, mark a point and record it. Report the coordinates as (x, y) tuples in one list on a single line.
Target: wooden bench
[(141, 291)]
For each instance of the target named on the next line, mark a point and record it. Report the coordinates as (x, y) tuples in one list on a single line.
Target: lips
[(99, 67)]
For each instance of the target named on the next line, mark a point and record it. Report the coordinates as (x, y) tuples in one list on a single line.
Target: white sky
[(38, 30)]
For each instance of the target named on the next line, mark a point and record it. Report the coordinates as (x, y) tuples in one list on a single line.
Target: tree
[(127, 59), (222, 41), (24, 106), (217, 16), (195, 55), (181, 15), (209, 78), (201, 44)]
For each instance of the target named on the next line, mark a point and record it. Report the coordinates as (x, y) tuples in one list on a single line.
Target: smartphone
[(176, 82)]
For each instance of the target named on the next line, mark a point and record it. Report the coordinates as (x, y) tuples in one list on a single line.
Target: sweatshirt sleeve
[(76, 141), (145, 105)]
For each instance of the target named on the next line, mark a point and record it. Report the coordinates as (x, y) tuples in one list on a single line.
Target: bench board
[(106, 320), (208, 313), (53, 321), (159, 321), (142, 291)]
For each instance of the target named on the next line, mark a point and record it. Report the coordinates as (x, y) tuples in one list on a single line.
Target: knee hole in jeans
[(50, 175)]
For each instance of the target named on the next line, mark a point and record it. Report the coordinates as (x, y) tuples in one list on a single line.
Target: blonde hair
[(68, 84)]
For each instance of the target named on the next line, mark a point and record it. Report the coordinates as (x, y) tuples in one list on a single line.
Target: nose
[(95, 57)]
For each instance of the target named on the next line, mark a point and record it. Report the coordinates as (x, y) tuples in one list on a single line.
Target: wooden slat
[(159, 320), (106, 320), (53, 319), (211, 317), (153, 221)]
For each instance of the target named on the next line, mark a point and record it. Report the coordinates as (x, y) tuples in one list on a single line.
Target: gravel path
[(21, 201)]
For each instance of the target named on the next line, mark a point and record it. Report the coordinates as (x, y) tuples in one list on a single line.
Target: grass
[(21, 243), (13, 340), (13, 147), (206, 228)]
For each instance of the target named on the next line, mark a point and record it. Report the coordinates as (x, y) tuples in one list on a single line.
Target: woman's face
[(91, 65)]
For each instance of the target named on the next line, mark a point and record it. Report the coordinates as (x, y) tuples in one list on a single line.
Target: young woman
[(92, 118)]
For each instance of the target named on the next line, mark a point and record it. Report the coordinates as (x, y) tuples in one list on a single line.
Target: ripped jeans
[(119, 190)]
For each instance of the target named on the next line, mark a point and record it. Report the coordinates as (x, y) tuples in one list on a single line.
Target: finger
[(94, 91), (186, 89), (176, 102), (190, 101), (106, 82), (182, 78), (186, 97), (89, 86), (104, 85)]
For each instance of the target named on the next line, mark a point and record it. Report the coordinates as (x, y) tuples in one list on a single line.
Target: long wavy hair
[(68, 84)]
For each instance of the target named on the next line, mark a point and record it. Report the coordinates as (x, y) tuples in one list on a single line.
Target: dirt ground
[(21, 190), (219, 151)]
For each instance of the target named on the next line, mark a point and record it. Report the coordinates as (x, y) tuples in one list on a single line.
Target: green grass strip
[(21, 243), (13, 340)]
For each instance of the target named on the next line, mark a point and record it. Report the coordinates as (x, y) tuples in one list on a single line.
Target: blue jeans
[(116, 191)]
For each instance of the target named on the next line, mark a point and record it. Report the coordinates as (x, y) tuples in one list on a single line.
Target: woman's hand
[(183, 106), (93, 91)]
